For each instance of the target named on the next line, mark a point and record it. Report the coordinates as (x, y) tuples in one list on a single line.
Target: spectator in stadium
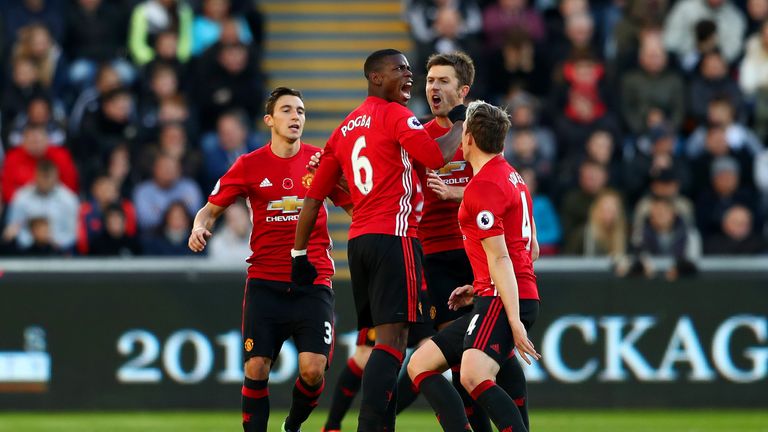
[(21, 13), (679, 27), (207, 27), (232, 240), (514, 68), (95, 34), (555, 19), (42, 243), (119, 168), (89, 99), (665, 233), (652, 86), (21, 162), (655, 156), (36, 44), (23, 85), (737, 236), (574, 211), (664, 183), (524, 115), (444, 26), (524, 152), (548, 230), (45, 198), (39, 112), (153, 197), (606, 231), (579, 38), (114, 239), (92, 214), (753, 78), (581, 103), (640, 16), (112, 124), (173, 141), (166, 47), (163, 84), (170, 237), (722, 193), (503, 16), (706, 41), (149, 18), (712, 80), (757, 14), (231, 82), (220, 150), (761, 179)]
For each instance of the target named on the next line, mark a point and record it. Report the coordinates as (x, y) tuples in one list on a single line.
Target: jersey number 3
[(362, 167)]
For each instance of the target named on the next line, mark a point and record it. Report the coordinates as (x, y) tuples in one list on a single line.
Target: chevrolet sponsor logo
[(451, 167), (290, 204)]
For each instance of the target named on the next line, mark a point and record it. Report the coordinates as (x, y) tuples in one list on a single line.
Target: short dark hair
[(276, 94), (374, 61), (461, 63), (46, 166), (488, 125)]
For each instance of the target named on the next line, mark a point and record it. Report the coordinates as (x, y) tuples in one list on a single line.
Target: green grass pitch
[(416, 421)]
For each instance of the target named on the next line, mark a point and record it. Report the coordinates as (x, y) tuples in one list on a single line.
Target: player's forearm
[(456, 193), (450, 142), (207, 216), (307, 219), (503, 276)]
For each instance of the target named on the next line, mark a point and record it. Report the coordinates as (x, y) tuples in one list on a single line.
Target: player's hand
[(198, 239), (303, 273), (523, 345), (438, 186), (314, 162), (460, 297)]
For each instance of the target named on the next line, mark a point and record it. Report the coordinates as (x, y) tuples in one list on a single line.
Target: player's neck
[(284, 149), (443, 122), (479, 160)]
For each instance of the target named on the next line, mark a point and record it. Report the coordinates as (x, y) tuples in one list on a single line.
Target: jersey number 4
[(526, 232), (361, 166)]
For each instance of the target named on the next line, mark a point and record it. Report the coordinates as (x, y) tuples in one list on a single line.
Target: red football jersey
[(497, 202), (374, 148), (274, 188), (439, 228)]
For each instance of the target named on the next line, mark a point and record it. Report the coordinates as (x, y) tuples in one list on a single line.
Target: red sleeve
[(485, 202), (231, 185), (410, 133), (327, 175)]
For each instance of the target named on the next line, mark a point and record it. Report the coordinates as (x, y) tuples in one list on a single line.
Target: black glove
[(303, 273), (458, 113)]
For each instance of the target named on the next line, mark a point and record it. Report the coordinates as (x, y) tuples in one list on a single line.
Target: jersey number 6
[(361, 166)]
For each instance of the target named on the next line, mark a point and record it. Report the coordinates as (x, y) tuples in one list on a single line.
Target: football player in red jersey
[(374, 149), (274, 181), (500, 240)]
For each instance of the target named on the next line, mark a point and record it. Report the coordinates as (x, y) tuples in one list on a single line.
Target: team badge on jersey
[(414, 123), (485, 220), (306, 181), (216, 188)]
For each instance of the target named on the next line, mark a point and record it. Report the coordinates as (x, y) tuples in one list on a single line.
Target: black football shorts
[(445, 271)]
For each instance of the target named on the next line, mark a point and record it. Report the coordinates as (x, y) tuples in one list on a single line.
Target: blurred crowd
[(118, 117), (639, 125)]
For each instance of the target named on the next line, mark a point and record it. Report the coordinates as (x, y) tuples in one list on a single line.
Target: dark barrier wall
[(171, 340)]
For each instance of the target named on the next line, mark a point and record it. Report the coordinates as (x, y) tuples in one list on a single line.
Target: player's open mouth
[(295, 128), (406, 90), (436, 100)]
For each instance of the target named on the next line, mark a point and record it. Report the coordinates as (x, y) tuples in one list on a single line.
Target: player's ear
[(268, 120), (376, 77), (463, 91)]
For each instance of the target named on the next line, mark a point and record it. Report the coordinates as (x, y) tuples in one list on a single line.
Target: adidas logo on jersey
[(265, 183)]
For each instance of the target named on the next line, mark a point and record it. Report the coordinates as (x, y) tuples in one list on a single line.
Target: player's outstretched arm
[(201, 228), (503, 275)]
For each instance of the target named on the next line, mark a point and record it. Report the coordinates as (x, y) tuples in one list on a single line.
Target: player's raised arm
[(201, 228)]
